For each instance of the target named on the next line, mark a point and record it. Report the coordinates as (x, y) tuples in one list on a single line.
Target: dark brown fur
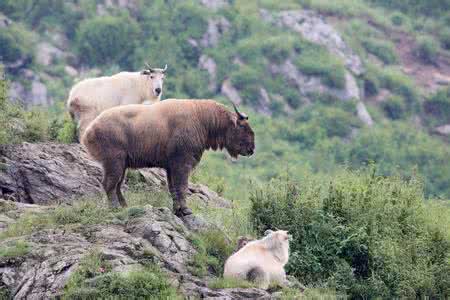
[(172, 134)]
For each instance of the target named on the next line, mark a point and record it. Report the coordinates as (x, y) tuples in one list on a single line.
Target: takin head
[(155, 77), (240, 139)]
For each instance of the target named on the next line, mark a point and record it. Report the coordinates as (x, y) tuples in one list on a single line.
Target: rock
[(47, 53), (36, 95), (308, 85), (47, 173), (4, 21), (216, 28), (443, 130), (71, 71), (207, 63), (229, 91), (314, 28), (264, 102), (51, 173), (214, 4), (363, 114)]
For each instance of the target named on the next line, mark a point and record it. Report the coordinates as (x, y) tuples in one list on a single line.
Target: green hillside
[(349, 100)]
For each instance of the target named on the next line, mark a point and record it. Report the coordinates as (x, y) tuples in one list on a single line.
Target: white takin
[(88, 98), (261, 261)]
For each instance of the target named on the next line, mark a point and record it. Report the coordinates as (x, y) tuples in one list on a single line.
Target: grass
[(213, 248), (227, 283), (94, 278), (15, 248), (88, 211)]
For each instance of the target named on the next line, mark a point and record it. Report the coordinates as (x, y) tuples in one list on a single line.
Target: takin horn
[(242, 116)]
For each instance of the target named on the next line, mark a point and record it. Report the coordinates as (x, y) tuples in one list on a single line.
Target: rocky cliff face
[(49, 173), (54, 254)]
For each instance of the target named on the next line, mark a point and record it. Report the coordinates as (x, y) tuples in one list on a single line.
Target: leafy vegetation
[(360, 233), (93, 279)]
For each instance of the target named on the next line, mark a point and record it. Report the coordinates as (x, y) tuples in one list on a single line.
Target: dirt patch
[(430, 77)]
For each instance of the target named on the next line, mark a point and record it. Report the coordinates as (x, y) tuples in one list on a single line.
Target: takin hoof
[(183, 211)]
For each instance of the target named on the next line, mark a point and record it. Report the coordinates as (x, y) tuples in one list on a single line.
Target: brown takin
[(172, 134)]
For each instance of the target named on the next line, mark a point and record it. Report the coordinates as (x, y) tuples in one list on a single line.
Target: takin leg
[(258, 276), (122, 200), (112, 173), (178, 184)]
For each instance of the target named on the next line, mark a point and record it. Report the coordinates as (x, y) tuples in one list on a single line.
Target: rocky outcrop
[(50, 173), (216, 28), (443, 130), (229, 91), (53, 254), (214, 4), (207, 63), (314, 28), (33, 95)]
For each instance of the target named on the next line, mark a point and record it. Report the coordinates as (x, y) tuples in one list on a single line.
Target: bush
[(427, 50), (394, 107), (317, 61), (213, 248), (439, 106), (15, 44), (107, 40), (397, 19), (365, 235), (384, 50), (36, 126), (444, 38)]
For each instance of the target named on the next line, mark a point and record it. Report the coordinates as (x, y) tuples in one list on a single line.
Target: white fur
[(269, 255), (91, 96)]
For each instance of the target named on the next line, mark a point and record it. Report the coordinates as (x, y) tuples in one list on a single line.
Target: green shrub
[(93, 279), (213, 248), (397, 19), (398, 147), (365, 235), (106, 40), (394, 107), (439, 106), (396, 81), (384, 50), (14, 249), (316, 60), (427, 49), (15, 43), (444, 37), (372, 82), (189, 20), (36, 126), (67, 134)]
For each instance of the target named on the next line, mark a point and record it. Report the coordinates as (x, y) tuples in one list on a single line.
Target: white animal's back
[(265, 257)]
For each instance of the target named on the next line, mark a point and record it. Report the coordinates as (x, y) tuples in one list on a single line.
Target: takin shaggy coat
[(88, 98), (261, 261), (172, 134)]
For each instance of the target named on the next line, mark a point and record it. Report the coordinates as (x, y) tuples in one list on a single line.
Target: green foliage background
[(364, 234)]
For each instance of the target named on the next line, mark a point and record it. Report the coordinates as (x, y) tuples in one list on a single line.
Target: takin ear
[(146, 72)]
